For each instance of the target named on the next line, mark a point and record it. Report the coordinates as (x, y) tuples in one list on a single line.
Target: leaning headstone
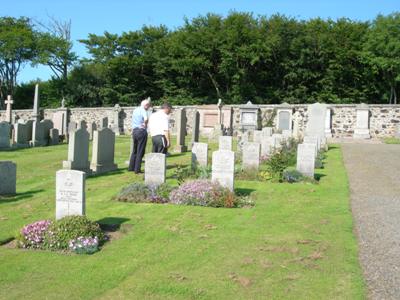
[(267, 131), (8, 178), (257, 136), (195, 127), (103, 151), (199, 154), (21, 135), (225, 142), (154, 168), (306, 159), (70, 193), (180, 121), (54, 137), (78, 151), (223, 168), (5, 132), (91, 127), (251, 156)]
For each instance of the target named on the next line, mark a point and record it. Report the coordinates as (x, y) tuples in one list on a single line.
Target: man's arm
[(167, 137)]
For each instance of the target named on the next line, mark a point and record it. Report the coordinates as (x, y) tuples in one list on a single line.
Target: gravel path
[(374, 174)]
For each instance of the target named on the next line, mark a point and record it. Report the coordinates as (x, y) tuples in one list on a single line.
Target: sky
[(117, 16)]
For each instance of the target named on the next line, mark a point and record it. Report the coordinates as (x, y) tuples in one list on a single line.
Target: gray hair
[(145, 102)]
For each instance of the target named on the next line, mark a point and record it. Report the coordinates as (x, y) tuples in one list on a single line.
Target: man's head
[(167, 108), (146, 103)]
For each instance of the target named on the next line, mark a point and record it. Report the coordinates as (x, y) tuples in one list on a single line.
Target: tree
[(382, 50)]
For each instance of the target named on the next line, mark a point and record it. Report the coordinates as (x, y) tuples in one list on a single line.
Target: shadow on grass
[(111, 224), (243, 191), (318, 176), (19, 196), (171, 155), (330, 147), (118, 171)]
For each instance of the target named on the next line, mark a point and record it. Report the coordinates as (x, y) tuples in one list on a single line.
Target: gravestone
[(287, 134), (277, 140), (180, 121), (9, 102), (5, 132), (313, 140), (223, 168), (82, 124), (70, 193), (91, 127), (306, 159), (103, 151), (267, 131), (154, 168), (54, 137), (225, 143), (243, 138), (257, 136), (249, 116), (72, 126), (78, 151), (38, 134), (103, 123), (199, 155), (284, 116), (21, 135), (328, 123), (29, 125), (251, 156), (316, 120), (8, 178), (195, 127), (60, 122), (361, 130), (48, 125), (267, 146), (117, 126)]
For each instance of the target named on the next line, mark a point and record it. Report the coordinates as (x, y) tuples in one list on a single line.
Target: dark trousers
[(139, 136), (159, 144)]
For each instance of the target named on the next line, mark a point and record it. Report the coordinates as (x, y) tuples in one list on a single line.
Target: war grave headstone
[(154, 168), (306, 159), (78, 151), (5, 132), (267, 131), (70, 193), (103, 151), (223, 168), (267, 146), (8, 178), (199, 155), (225, 143), (251, 156)]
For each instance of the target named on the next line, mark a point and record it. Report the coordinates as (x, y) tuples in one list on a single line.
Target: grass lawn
[(391, 140), (296, 243)]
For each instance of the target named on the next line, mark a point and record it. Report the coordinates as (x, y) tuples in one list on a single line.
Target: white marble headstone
[(306, 159), (251, 155), (154, 168), (225, 143), (199, 154), (223, 168)]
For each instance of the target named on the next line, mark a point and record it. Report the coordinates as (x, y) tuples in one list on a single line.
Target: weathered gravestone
[(316, 121), (195, 127), (103, 151), (8, 178), (225, 143), (257, 136), (59, 121), (38, 134), (251, 156), (267, 146), (223, 168), (78, 151), (29, 124), (306, 159), (154, 168), (180, 121), (5, 131), (70, 193), (91, 127), (199, 155), (54, 137), (313, 140), (21, 135), (82, 124), (267, 131)]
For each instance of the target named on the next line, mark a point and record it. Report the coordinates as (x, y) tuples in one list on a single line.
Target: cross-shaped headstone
[(8, 102)]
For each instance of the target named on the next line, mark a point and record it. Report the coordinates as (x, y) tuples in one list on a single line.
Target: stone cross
[(8, 102)]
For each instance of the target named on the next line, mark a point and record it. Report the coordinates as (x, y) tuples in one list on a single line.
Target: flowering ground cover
[(296, 242)]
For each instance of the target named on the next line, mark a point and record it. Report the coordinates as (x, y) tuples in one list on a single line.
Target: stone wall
[(384, 119)]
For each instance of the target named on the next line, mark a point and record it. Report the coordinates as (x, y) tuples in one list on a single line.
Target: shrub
[(160, 193), (136, 192), (203, 193), (61, 232), (32, 235), (84, 245), (292, 175), (319, 160)]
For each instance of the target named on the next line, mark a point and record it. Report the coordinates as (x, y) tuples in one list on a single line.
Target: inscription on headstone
[(70, 193), (154, 168)]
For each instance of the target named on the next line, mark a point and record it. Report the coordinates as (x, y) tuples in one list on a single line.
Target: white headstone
[(9, 102), (267, 131), (225, 142), (78, 151), (8, 178), (316, 120), (103, 151), (5, 132), (251, 155), (223, 168), (361, 131), (313, 140), (154, 168), (257, 136), (70, 193), (306, 159), (199, 154), (267, 146)]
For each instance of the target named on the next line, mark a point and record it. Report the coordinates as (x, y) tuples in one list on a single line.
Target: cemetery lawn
[(391, 140), (296, 243)]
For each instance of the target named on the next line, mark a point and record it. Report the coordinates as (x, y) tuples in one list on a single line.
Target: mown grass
[(391, 140), (296, 243)]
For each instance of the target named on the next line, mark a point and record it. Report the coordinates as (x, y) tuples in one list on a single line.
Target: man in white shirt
[(159, 129)]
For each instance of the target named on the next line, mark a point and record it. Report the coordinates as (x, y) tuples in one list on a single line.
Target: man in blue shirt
[(139, 134)]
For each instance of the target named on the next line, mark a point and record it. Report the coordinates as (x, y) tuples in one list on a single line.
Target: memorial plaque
[(249, 118), (154, 168), (284, 120), (223, 168), (210, 120), (306, 159), (199, 154), (70, 193), (251, 155)]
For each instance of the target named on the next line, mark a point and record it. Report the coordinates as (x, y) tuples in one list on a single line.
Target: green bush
[(292, 175), (319, 164), (61, 232)]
